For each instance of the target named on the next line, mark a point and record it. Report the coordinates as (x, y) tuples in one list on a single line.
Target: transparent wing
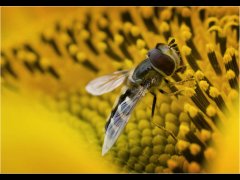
[(120, 118), (106, 83)]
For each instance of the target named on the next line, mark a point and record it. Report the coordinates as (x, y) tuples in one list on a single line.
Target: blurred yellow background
[(21, 23), (34, 139)]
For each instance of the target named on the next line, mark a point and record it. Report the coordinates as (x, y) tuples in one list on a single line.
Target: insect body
[(161, 62)]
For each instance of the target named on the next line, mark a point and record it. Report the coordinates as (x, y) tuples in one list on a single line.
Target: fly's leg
[(181, 69), (170, 93), (153, 109), (154, 103), (173, 88), (167, 131), (178, 82)]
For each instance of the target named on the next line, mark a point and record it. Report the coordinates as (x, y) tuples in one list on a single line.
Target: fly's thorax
[(164, 59), (142, 70), (150, 78), (144, 73)]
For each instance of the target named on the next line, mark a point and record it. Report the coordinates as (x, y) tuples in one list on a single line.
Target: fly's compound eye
[(162, 62)]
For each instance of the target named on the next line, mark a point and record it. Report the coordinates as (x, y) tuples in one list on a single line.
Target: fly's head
[(164, 58)]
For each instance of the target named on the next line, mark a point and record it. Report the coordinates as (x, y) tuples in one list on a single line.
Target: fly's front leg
[(159, 126), (163, 128), (154, 103), (170, 93), (178, 82), (181, 69)]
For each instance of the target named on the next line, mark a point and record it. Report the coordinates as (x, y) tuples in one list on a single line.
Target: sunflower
[(50, 124)]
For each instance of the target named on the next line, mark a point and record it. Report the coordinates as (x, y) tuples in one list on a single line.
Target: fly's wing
[(121, 117), (107, 83)]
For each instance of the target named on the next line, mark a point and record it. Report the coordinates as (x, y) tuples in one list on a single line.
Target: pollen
[(194, 149), (205, 135), (187, 35), (103, 22), (230, 74), (182, 145), (48, 33), (84, 34), (210, 154), (186, 107), (192, 111), (231, 51), (102, 46), (64, 38), (189, 92), (164, 27), (184, 28), (81, 56), (73, 49), (146, 12), (45, 62), (118, 39), (172, 164), (135, 31), (211, 111), (128, 64), (199, 75), (166, 14), (204, 85), (184, 128), (143, 52), (194, 167), (101, 36), (227, 58), (127, 26), (140, 43), (30, 57), (186, 50), (186, 12), (214, 92), (210, 47), (233, 95), (21, 54)]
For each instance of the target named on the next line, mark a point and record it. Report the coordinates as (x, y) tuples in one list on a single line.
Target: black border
[(120, 3)]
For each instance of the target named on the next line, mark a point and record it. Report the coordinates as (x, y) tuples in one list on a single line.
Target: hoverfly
[(161, 62)]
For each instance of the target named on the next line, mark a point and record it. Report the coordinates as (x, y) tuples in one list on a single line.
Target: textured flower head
[(46, 74)]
